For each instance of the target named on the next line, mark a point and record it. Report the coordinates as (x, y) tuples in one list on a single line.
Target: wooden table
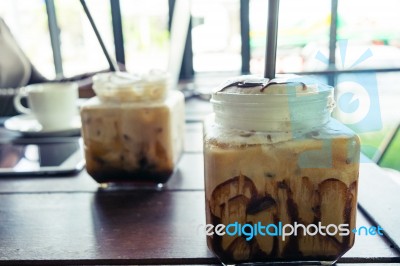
[(69, 220)]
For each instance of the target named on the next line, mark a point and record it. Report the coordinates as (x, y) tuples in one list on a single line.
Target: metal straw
[(113, 65), (272, 37)]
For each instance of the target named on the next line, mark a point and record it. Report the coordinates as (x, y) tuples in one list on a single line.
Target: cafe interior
[(199, 132)]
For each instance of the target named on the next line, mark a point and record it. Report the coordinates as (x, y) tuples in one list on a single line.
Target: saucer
[(30, 127)]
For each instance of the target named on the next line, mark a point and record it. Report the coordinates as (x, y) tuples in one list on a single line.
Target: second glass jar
[(133, 129)]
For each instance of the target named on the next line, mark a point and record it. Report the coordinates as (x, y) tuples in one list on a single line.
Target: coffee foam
[(287, 103), (124, 87), (282, 84)]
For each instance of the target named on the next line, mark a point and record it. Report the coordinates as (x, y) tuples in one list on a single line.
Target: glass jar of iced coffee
[(133, 129), (280, 174)]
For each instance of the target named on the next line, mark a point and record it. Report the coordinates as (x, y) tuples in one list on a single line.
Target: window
[(146, 36), (300, 36), (80, 49), (216, 36), (370, 25), (28, 23), (334, 40)]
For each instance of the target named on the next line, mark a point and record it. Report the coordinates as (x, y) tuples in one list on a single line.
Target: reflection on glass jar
[(280, 174), (133, 130)]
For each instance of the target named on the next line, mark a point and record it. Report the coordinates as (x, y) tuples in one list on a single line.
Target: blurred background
[(331, 40)]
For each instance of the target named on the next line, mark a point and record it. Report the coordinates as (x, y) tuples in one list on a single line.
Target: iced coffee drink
[(280, 174), (133, 129)]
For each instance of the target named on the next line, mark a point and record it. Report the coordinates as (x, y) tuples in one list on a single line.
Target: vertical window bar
[(245, 35), (171, 4), (332, 42), (187, 71), (117, 31), (54, 36)]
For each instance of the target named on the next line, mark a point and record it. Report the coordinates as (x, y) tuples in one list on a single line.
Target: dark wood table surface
[(70, 220)]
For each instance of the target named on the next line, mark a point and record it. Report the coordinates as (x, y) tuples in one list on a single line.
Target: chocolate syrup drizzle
[(264, 85), (255, 203)]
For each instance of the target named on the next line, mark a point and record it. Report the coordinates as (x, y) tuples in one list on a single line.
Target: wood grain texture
[(135, 227), (105, 226), (69, 220)]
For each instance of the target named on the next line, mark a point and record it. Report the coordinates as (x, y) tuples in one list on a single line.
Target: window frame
[(187, 72)]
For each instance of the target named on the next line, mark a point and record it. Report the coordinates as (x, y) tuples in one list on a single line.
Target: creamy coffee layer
[(277, 172), (133, 130)]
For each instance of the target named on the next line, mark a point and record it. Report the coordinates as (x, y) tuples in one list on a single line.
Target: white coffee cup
[(53, 104)]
